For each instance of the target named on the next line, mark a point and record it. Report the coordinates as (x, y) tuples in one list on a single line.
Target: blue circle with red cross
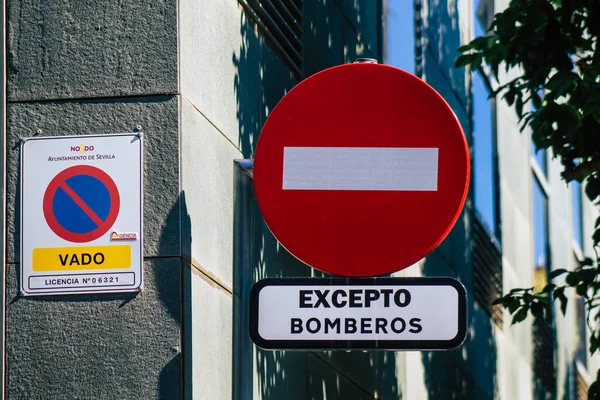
[(81, 203)]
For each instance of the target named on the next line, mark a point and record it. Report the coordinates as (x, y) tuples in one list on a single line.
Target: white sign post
[(81, 214), (358, 313)]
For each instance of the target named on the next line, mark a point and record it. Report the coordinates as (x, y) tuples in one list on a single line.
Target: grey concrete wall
[(93, 68), (83, 49)]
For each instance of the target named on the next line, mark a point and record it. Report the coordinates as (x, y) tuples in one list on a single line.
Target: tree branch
[(581, 171)]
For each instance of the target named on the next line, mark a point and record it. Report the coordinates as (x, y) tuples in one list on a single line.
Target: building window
[(581, 338), (539, 156), (581, 384), (581, 350), (576, 214), (541, 253), (543, 335), (484, 156), (484, 14), (281, 23), (487, 273), (484, 141), (540, 159), (487, 258), (580, 371), (400, 34)]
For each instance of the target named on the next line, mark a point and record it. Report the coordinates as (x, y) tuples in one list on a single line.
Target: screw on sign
[(361, 170), (81, 203)]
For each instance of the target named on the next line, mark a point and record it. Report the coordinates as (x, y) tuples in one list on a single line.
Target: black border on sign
[(359, 344)]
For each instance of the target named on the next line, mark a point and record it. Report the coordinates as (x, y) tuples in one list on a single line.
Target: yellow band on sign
[(81, 258)]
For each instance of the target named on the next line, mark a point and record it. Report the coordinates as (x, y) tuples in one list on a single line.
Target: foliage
[(545, 58)]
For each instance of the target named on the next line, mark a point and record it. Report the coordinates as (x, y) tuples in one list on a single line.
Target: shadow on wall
[(247, 84), (170, 287), (261, 81), (470, 371), (441, 37)]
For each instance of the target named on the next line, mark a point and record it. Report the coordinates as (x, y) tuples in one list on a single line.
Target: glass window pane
[(539, 209), (400, 34), (581, 342), (477, 22), (483, 155), (576, 217), (540, 158)]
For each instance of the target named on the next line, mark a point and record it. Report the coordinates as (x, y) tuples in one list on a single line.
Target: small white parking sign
[(81, 214)]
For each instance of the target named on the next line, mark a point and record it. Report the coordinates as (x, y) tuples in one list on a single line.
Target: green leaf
[(594, 391), (596, 115), (563, 303), (592, 107), (519, 105), (464, 60), (548, 313), (586, 262), (484, 43), (518, 290), (510, 96), (476, 63), (575, 116), (557, 272), (559, 292), (512, 305), (560, 82), (573, 278), (499, 300), (596, 237), (587, 275), (536, 100), (465, 48), (548, 288), (594, 343), (592, 188), (520, 315), (537, 310)]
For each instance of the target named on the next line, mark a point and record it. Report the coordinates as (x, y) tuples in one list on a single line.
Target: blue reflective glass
[(576, 216), (581, 349), (483, 155), (479, 29), (539, 209), (400, 34), (540, 158)]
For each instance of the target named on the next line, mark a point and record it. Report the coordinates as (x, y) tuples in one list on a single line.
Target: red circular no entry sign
[(361, 170)]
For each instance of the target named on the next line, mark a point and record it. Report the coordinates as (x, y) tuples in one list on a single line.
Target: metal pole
[(243, 227)]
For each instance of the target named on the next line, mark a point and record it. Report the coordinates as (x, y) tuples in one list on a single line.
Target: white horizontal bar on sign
[(360, 168)]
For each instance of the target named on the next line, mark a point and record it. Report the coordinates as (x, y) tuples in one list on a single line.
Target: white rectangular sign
[(81, 214), (365, 313), (360, 168)]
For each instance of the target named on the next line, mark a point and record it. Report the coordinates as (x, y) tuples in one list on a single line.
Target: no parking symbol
[(81, 214), (81, 203)]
